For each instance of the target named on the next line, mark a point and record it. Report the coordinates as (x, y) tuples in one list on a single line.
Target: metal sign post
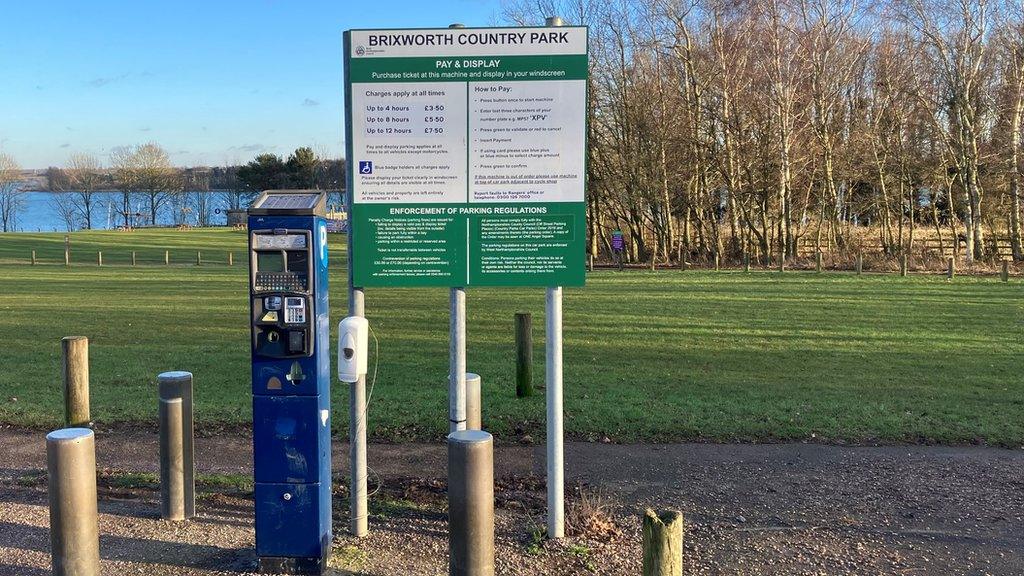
[(357, 409)]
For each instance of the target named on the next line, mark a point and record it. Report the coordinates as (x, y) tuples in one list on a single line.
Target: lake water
[(40, 214)]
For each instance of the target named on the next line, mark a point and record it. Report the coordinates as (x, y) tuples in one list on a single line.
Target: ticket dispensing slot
[(281, 272)]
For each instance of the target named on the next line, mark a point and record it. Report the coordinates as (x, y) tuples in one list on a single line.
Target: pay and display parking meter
[(290, 381)]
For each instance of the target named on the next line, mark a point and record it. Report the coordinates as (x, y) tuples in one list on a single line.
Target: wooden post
[(133, 257), (199, 258), (717, 264), (663, 543), (33, 257), (951, 268), (903, 265), (591, 262), (1006, 271), (67, 257), (746, 262), (99, 258), (524, 354), (817, 262), (75, 355), (782, 263), (860, 263), (231, 259), (654, 258), (167, 257)]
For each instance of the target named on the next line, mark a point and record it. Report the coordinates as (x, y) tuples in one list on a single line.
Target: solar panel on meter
[(289, 201), (282, 202)]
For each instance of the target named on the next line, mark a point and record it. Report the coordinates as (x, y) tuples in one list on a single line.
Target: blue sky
[(214, 82)]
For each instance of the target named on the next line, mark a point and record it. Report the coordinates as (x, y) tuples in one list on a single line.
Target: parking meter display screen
[(269, 262)]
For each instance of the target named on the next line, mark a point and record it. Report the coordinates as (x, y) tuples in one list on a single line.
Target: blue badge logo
[(365, 167)]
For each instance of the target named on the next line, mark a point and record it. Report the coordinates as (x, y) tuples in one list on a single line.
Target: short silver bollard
[(470, 503), (74, 525), (177, 449)]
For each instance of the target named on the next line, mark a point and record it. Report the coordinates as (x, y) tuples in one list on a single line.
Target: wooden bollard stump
[(663, 543), (33, 257), (167, 257), (951, 268), (231, 258), (1006, 271), (524, 354), (75, 354)]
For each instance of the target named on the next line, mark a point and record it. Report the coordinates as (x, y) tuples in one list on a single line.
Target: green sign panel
[(467, 156)]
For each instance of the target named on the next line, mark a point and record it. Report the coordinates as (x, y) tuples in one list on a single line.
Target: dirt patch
[(779, 509)]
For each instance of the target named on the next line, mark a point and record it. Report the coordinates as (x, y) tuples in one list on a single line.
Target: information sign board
[(467, 155)]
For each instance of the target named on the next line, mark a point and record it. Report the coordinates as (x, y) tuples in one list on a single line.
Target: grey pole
[(75, 354), (74, 526), (357, 409), (553, 345), (172, 460), (474, 402), (457, 360), (178, 385), (358, 511), (470, 503), (555, 465)]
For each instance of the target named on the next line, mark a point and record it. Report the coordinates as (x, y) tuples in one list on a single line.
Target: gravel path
[(791, 509)]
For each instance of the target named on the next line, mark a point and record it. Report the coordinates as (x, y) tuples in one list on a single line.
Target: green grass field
[(648, 356)]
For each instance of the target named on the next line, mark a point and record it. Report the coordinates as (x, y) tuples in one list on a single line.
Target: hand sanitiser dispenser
[(353, 340)]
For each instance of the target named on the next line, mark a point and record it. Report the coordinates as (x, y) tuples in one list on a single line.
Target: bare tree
[(63, 203), (12, 197), (85, 177), (146, 171)]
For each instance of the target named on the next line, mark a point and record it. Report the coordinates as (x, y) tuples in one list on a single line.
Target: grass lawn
[(648, 356)]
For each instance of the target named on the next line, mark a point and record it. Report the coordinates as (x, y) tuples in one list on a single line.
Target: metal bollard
[(474, 404), (177, 385), (172, 461), (74, 526), (470, 503)]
